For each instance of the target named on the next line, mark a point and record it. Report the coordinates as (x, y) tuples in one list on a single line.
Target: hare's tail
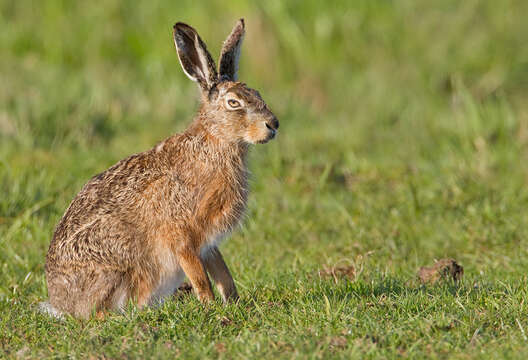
[(47, 308)]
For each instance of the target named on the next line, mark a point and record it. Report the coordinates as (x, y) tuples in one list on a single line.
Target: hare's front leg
[(193, 268), (217, 268)]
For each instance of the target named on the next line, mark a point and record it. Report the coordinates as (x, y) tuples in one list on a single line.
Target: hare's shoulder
[(134, 172)]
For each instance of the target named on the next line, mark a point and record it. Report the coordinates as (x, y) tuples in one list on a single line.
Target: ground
[(403, 139)]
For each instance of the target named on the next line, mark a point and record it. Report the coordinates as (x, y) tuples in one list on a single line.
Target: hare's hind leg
[(80, 291), (217, 268)]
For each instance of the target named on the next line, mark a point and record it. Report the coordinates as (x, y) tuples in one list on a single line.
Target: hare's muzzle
[(272, 125)]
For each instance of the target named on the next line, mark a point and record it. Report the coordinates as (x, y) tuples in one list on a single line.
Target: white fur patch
[(119, 299), (171, 277), (202, 56), (160, 146), (47, 308), (211, 242)]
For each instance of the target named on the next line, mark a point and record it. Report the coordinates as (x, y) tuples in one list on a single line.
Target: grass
[(404, 139)]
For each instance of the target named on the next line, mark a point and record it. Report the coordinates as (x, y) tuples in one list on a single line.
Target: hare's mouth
[(271, 135), (272, 132)]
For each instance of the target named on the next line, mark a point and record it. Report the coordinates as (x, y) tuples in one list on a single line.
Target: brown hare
[(136, 230)]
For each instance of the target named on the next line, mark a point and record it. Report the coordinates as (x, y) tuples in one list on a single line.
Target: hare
[(136, 230)]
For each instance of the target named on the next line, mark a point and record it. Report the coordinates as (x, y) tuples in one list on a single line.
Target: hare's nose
[(273, 123)]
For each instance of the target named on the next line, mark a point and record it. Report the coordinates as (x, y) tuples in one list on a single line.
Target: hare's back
[(104, 219)]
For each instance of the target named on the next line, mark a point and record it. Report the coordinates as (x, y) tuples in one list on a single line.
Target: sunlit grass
[(403, 139)]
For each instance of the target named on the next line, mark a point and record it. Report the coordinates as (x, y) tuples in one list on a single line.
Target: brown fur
[(136, 229)]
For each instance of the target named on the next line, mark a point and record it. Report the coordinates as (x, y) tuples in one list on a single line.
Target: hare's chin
[(267, 139), (260, 140)]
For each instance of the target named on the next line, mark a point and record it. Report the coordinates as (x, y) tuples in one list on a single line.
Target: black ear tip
[(183, 30), (241, 20), (181, 26), (177, 28)]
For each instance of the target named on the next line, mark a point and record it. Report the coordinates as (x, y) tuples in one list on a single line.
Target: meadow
[(403, 139)]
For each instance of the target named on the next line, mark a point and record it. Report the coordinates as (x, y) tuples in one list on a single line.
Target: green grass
[(403, 139)]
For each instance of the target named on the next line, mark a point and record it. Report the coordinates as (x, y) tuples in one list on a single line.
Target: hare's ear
[(195, 60), (231, 52)]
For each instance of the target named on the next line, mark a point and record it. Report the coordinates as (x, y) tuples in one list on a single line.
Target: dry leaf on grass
[(350, 271), (338, 342), (338, 272), (441, 269), (220, 347), (225, 321), (184, 289)]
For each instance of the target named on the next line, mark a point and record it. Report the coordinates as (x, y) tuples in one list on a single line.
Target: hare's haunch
[(136, 230)]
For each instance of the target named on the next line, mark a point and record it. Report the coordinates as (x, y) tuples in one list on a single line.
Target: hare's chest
[(222, 209), (230, 205), (218, 229)]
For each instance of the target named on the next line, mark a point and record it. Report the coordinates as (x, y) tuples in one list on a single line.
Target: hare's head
[(232, 110)]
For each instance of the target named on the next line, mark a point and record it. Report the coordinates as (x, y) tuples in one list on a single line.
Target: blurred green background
[(404, 129)]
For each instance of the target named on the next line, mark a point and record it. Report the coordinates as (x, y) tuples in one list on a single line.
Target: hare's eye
[(233, 103)]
